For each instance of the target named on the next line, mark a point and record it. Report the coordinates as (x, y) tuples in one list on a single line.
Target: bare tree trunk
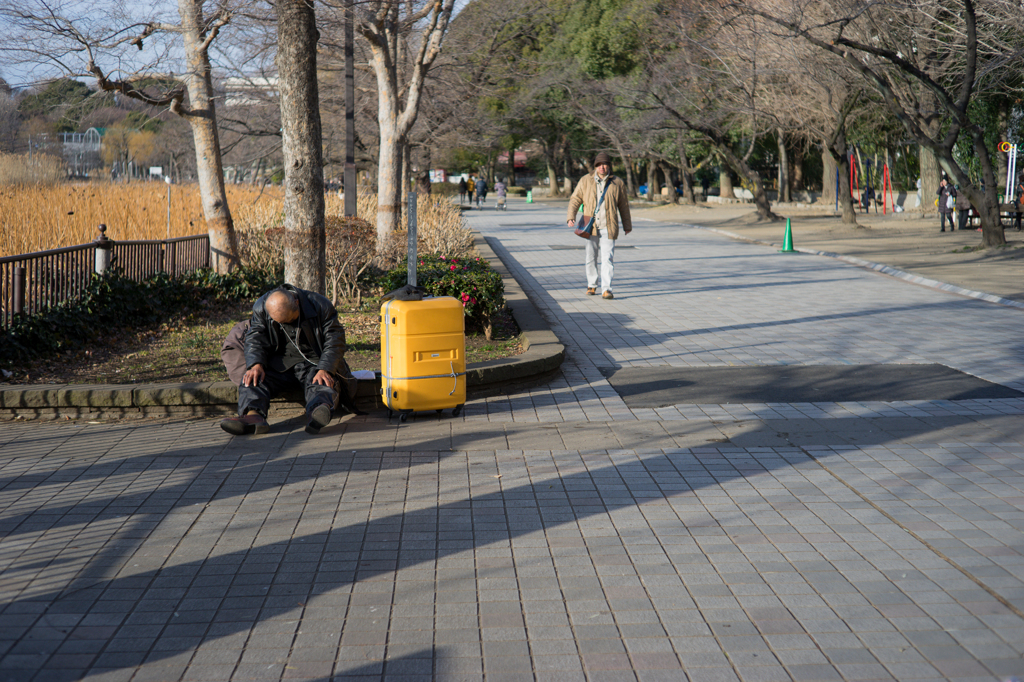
[(725, 183), (928, 162), (549, 157), (784, 195), (389, 177), (931, 173), (566, 169), (828, 177), (202, 117), (1001, 158), (305, 241), (842, 161), (652, 179), (630, 183), (394, 119), (992, 233), (796, 180), (764, 207), (684, 173), (666, 180)]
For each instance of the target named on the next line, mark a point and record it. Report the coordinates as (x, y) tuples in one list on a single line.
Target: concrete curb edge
[(543, 355)]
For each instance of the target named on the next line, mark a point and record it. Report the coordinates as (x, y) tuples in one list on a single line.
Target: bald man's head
[(283, 306)]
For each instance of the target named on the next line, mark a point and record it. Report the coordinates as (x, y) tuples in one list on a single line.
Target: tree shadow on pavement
[(117, 617)]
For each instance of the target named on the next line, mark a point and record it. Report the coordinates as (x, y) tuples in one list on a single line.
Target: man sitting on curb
[(294, 339)]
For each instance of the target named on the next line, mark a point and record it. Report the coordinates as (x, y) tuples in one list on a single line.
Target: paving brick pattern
[(554, 534)]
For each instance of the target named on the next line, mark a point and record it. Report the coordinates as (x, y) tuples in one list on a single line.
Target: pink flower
[(453, 268)]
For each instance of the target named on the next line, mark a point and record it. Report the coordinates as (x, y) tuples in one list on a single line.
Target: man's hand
[(324, 378), (627, 230), (253, 375), (570, 222)]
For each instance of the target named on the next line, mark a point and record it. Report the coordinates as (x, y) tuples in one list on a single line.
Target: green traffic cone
[(787, 241), (529, 196)]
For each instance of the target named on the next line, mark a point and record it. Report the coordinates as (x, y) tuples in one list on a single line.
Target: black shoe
[(318, 419), (942, 230), (243, 426)]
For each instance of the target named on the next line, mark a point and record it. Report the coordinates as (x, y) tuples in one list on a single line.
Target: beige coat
[(614, 198)]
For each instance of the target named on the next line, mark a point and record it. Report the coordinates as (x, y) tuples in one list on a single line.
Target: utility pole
[(350, 114)]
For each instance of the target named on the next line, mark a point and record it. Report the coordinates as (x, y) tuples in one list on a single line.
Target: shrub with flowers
[(469, 279)]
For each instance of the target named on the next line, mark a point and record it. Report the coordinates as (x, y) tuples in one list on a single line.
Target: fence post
[(103, 251), (19, 290), (170, 257)]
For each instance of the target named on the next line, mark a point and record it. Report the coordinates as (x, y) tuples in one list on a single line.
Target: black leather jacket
[(320, 327)]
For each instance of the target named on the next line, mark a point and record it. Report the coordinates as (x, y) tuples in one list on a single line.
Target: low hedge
[(469, 279), (444, 189), (112, 302)]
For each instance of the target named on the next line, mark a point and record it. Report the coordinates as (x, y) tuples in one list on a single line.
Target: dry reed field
[(41, 217)]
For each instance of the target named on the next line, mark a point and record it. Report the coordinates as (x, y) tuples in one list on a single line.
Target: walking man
[(603, 196), (481, 191), (294, 340)]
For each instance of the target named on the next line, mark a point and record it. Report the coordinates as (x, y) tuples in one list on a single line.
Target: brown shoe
[(591, 291), (243, 426), (608, 295)]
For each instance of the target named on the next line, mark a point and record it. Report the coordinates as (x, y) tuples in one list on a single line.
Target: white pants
[(607, 250)]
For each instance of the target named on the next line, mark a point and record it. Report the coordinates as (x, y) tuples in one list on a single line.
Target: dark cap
[(602, 158)]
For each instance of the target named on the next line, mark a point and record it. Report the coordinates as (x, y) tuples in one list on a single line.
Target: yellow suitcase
[(423, 355)]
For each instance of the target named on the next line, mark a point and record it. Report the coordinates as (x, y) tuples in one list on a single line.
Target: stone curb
[(542, 357), (878, 267)]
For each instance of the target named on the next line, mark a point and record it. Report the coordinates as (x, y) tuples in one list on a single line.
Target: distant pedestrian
[(470, 186), (947, 203), (603, 196), (462, 190), (481, 191), (500, 190), (869, 198)]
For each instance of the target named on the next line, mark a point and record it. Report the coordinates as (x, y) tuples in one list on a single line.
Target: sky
[(22, 76)]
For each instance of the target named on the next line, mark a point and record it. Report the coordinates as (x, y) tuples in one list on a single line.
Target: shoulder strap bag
[(585, 224)]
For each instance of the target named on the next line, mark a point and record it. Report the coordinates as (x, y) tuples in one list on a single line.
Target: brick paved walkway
[(557, 534)]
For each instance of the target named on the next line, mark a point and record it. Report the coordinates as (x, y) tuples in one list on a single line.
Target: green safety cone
[(787, 241), (529, 196)]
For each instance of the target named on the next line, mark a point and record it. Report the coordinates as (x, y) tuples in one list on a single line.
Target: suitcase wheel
[(457, 411), (403, 417)]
